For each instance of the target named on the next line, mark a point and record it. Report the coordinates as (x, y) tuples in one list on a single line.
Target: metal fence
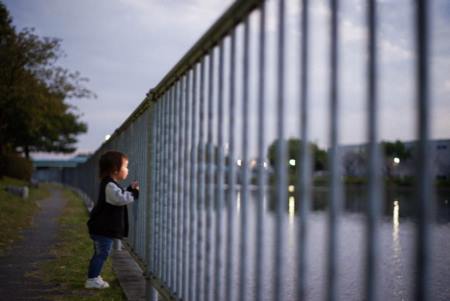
[(198, 146)]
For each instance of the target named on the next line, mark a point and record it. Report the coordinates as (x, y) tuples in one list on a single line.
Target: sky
[(125, 47)]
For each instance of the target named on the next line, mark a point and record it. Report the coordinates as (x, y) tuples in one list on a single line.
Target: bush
[(17, 167), (355, 181), (443, 183), (400, 181)]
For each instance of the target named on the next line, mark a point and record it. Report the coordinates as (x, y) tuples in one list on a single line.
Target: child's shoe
[(96, 282)]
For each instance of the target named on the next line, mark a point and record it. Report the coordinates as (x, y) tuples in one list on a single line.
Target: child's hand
[(135, 185)]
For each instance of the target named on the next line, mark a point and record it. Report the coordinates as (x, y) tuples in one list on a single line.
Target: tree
[(294, 146), (354, 163), (33, 93), (394, 151)]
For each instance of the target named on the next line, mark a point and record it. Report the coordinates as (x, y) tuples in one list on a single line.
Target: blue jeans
[(102, 249)]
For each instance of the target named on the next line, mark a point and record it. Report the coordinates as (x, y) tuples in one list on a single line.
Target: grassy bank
[(72, 253), (15, 212)]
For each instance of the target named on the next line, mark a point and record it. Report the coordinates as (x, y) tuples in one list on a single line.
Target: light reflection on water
[(397, 230), (291, 208), (397, 251)]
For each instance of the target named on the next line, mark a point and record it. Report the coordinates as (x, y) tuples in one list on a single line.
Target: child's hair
[(110, 162)]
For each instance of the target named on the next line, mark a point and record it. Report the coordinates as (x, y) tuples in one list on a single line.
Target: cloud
[(352, 32), (394, 52), (447, 86)]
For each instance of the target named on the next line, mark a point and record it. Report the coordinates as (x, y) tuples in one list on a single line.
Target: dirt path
[(25, 254)]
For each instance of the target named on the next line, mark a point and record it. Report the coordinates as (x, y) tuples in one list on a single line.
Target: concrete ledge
[(129, 274)]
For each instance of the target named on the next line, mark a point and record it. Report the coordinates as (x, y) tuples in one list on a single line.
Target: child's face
[(123, 172)]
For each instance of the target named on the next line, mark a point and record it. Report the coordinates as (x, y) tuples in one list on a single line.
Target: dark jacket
[(106, 219)]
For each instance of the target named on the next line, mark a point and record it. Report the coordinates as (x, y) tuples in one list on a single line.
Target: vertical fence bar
[(167, 198), (132, 214), (281, 183), (175, 208), (147, 131), (160, 189), (210, 176), (374, 201), (179, 186), (231, 171), (168, 194), (154, 198), (134, 147), (143, 176), (304, 185), (193, 188), (201, 180), (244, 167), (174, 216), (259, 263), (151, 219), (146, 176), (174, 188), (186, 190), (424, 195), (143, 211), (165, 183), (130, 149), (152, 195), (158, 192), (220, 176), (169, 167), (334, 198), (140, 206)]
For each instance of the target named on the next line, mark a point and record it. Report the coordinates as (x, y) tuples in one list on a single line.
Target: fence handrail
[(233, 15)]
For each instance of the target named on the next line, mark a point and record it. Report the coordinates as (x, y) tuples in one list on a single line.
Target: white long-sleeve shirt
[(116, 197)]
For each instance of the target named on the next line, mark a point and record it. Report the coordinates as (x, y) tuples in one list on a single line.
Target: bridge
[(198, 146)]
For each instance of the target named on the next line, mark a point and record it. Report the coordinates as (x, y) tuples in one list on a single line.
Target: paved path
[(26, 253)]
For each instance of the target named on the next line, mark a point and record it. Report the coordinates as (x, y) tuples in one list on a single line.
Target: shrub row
[(14, 166)]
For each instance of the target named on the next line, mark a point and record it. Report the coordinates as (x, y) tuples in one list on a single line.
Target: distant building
[(354, 160), (440, 153), (52, 170)]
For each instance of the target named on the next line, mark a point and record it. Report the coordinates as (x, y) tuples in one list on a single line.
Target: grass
[(15, 212), (72, 253)]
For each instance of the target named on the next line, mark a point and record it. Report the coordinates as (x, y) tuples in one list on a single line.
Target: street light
[(396, 160), (292, 162)]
